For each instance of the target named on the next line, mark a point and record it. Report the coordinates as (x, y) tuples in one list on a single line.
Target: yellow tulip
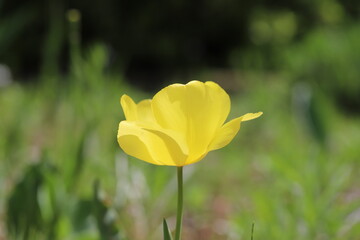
[(180, 125)]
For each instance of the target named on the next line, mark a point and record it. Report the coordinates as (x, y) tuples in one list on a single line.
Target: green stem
[(179, 204)]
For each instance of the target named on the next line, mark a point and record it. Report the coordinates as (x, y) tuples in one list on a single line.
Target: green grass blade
[(167, 235)]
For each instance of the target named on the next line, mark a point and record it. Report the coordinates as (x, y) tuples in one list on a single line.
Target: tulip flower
[(178, 127)]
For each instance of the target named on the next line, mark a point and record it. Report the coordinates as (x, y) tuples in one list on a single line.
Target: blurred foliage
[(44, 179), (293, 172), (331, 62), (152, 42)]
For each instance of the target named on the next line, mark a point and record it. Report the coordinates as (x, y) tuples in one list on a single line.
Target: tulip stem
[(179, 203)]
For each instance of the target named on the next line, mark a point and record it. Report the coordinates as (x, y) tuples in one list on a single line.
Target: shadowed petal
[(144, 111), (193, 159), (129, 108), (227, 132), (176, 146), (131, 140), (137, 112), (153, 147)]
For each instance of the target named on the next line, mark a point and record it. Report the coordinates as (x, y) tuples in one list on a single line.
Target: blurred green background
[(294, 172)]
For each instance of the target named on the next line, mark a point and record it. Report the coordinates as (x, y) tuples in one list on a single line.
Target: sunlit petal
[(250, 116), (196, 109), (208, 106), (169, 108)]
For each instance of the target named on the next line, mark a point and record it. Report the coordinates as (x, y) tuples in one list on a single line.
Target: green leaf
[(167, 235), (23, 209)]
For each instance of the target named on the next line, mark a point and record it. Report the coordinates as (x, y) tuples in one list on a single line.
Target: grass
[(291, 172)]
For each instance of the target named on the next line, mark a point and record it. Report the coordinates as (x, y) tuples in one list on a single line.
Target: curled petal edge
[(150, 144), (229, 130)]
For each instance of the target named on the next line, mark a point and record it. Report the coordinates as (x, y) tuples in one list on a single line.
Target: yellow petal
[(226, 134), (208, 108), (193, 159), (177, 150), (169, 107), (144, 111), (129, 108), (153, 147), (251, 116), (196, 110)]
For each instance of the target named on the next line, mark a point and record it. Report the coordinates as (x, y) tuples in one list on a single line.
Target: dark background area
[(150, 42)]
